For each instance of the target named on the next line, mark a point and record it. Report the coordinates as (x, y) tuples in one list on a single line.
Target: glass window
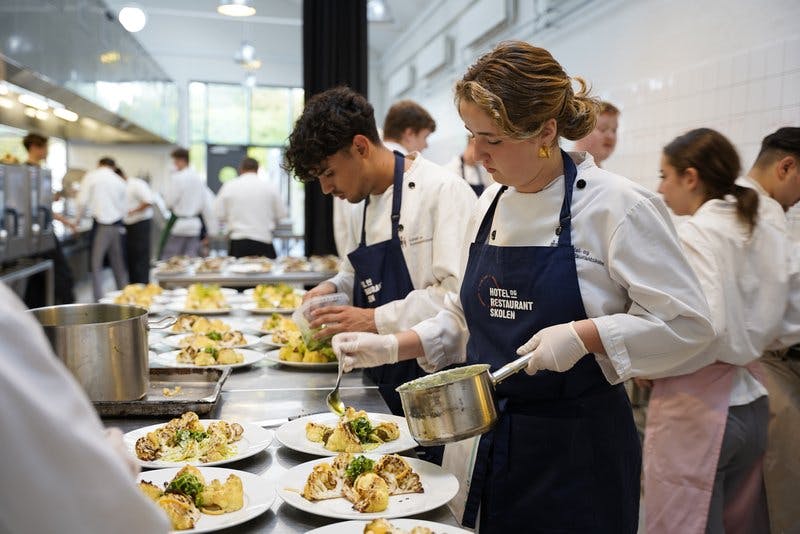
[(197, 111), (269, 116), (197, 157), (298, 102), (227, 114)]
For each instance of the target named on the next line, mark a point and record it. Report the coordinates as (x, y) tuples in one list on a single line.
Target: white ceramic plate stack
[(293, 434), (258, 496), (439, 485), (254, 440)]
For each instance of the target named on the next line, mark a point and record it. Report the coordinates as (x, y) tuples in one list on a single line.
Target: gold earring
[(544, 152)]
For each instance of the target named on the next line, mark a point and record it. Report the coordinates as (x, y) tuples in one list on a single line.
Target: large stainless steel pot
[(103, 345), (455, 404)]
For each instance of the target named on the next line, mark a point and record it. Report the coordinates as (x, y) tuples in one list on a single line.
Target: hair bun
[(579, 116)]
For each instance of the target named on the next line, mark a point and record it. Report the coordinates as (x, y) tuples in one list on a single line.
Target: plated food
[(274, 357), (213, 339), (251, 264), (226, 497), (211, 265), (205, 297), (190, 440), (324, 263), (295, 264), (295, 350), (404, 478), (198, 324), (209, 358), (174, 265), (138, 294), (385, 526), (326, 434)]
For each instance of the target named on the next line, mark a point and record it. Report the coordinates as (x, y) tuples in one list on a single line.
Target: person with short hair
[(190, 202), (577, 269), (602, 140), (407, 126), (470, 169), (251, 207), (103, 195), (776, 174), (137, 221), (406, 216)]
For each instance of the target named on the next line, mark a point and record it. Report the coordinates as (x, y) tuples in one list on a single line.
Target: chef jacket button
[(580, 184), (411, 185), (399, 227), (494, 232)]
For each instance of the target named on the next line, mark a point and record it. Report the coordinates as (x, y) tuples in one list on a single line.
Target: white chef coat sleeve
[(699, 252), (350, 220), (55, 447), (209, 217), (84, 196), (452, 210), (142, 192), (667, 320)]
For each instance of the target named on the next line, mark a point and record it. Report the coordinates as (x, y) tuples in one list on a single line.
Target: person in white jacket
[(406, 218), (62, 472), (578, 270)]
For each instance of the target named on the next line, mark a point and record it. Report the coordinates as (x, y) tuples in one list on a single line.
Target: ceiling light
[(378, 11), (3, 89), (32, 101), (132, 18), (67, 115), (90, 123), (250, 80), (252, 65), (6, 102), (247, 52), (42, 115), (110, 57), (236, 8), (30, 112)]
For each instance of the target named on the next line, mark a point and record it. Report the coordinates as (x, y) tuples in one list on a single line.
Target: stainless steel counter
[(270, 391)]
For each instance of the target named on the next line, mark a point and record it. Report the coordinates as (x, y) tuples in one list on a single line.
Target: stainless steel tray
[(200, 392)]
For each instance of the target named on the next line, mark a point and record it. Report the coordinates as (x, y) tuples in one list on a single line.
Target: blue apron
[(381, 276), (478, 188), (564, 455)]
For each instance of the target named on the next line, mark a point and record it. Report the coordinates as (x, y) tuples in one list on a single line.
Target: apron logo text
[(370, 289), (504, 303)]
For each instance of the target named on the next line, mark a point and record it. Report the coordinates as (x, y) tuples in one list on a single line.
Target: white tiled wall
[(670, 65)]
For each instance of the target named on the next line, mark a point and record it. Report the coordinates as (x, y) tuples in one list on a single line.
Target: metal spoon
[(335, 404)]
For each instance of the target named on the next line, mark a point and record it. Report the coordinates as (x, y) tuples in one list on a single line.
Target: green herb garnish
[(182, 436), (216, 336), (212, 351), (361, 464), (189, 485), (361, 428)]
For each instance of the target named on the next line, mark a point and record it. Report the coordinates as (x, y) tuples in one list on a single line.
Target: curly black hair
[(328, 124)]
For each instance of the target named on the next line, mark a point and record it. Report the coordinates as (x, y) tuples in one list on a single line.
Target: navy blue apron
[(564, 455), (381, 276), (478, 188)]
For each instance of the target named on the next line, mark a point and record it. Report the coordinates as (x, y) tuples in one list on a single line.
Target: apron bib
[(564, 455), (381, 276)]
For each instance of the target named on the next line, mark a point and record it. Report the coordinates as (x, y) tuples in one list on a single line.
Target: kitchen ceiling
[(192, 42)]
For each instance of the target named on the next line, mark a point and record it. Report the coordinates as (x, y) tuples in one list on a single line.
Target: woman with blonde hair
[(574, 266), (707, 419)]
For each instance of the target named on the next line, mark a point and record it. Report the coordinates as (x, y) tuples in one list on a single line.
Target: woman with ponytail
[(707, 419), (574, 267)]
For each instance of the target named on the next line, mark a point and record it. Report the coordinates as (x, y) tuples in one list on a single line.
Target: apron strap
[(397, 200), (564, 230), (486, 223)]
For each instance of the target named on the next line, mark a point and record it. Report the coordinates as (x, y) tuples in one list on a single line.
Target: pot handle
[(156, 325), (510, 369)]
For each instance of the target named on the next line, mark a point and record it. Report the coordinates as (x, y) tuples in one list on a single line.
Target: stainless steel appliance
[(41, 195), (16, 211)]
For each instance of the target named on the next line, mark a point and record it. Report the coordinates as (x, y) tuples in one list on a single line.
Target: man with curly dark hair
[(405, 217)]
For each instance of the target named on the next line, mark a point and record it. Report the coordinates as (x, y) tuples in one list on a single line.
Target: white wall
[(670, 65), (136, 160)]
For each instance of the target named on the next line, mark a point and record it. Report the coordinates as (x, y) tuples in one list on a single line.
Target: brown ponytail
[(521, 87), (717, 165)]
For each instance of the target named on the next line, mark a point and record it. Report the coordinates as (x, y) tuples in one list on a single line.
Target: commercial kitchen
[(440, 266)]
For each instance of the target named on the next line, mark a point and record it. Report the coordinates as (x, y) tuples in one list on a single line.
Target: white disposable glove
[(362, 349), (556, 348)]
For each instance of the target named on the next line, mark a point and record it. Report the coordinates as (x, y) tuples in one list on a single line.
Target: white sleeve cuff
[(435, 357), (616, 363)]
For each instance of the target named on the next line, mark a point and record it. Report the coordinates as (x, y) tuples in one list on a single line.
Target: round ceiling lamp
[(132, 18), (236, 8)]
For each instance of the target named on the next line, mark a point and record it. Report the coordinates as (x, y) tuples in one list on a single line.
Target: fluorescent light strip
[(34, 102), (65, 114)]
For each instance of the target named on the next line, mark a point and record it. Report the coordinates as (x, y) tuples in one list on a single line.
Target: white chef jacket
[(103, 195), (59, 474), (746, 279), (138, 192), (435, 208), (634, 280), (251, 206), (395, 147), (473, 174), (186, 197)]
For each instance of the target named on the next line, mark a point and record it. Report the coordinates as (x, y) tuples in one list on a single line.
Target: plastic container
[(302, 315)]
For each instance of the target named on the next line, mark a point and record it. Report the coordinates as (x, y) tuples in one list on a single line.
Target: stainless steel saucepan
[(455, 404), (103, 345)]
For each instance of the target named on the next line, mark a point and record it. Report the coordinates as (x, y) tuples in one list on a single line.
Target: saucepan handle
[(156, 325), (510, 368)]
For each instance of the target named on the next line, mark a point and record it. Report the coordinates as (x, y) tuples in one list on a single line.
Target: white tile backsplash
[(772, 92), (757, 63), (774, 54), (790, 91), (791, 55)]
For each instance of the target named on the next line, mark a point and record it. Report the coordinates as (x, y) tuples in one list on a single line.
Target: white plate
[(180, 307), (175, 341), (153, 308), (439, 485), (357, 527), (293, 434), (267, 340), (296, 291), (248, 268), (168, 359), (258, 496), (272, 356), (252, 308), (160, 298), (254, 440)]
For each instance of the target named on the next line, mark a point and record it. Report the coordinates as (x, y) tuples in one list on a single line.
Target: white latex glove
[(114, 439), (362, 349), (556, 348)]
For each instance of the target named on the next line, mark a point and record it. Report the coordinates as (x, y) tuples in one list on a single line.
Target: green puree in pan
[(443, 377)]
